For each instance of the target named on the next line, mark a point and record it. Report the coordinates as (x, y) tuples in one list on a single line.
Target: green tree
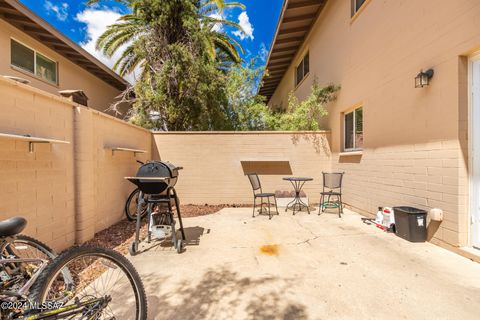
[(246, 110), (181, 57), (307, 114), (132, 30)]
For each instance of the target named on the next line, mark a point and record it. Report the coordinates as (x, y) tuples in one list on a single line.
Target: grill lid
[(162, 169)]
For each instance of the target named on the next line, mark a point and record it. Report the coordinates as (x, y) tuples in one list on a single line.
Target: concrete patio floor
[(318, 267)]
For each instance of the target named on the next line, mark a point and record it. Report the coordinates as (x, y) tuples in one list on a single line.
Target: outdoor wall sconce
[(423, 78)]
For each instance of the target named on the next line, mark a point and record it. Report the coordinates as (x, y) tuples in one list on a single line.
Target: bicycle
[(132, 203), (77, 284)]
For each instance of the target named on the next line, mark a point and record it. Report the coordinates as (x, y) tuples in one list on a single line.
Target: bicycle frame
[(4, 242), (23, 290), (69, 310)]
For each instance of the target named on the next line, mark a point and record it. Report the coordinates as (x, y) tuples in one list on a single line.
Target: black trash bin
[(411, 223)]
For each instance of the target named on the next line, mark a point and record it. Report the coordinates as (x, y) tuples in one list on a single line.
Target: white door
[(475, 155)]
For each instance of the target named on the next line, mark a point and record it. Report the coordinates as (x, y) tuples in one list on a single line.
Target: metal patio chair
[(332, 186), (258, 193)]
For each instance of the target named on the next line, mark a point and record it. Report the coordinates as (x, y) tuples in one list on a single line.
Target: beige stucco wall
[(67, 192), (415, 140), (213, 172), (70, 75)]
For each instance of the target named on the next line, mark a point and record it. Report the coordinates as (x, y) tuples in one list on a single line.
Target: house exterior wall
[(67, 192), (213, 172), (70, 75), (415, 140)]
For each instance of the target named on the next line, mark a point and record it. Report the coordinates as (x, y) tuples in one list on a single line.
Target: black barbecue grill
[(156, 169), (156, 181)]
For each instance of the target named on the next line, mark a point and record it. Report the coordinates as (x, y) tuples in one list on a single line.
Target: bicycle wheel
[(27, 247), (132, 204), (106, 285)]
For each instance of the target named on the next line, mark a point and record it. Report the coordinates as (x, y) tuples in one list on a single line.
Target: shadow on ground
[(192, 235), (223, 294)]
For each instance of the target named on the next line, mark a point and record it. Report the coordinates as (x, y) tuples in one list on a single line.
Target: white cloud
[(218, 27), (244, 22), (60, 11), (263, 52), (97, 21)]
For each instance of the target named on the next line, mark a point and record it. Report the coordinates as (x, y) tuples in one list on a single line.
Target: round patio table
[(297, 183)]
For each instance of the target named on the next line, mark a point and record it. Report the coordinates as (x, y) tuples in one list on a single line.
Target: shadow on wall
[(319, 141), (222, 293), (267, 167), (432, 228), (350, 159)]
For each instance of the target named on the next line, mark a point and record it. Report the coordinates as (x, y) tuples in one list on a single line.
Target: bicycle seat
[(12, 226)]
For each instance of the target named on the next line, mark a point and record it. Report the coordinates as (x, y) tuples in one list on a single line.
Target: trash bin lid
[(409, 210)]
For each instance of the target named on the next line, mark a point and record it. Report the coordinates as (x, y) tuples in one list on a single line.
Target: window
[(356, 5), (302, 69), (33, 62), (353, 126)]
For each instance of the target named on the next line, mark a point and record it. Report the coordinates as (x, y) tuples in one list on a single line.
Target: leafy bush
[(307, 114)]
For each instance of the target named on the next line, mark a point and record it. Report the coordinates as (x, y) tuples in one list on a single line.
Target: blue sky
[(83, 24)]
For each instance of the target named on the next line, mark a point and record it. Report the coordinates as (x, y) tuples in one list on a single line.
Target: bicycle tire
[(132, 216), (42, 285), (21, 238)]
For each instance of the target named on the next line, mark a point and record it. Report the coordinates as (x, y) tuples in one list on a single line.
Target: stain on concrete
[(270, 249)]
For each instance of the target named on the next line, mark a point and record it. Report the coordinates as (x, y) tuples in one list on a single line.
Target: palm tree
[(221, 44), (131, 32)]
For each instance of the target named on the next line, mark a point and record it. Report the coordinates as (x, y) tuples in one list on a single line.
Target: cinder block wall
[(66, 191), (110, 188), (213, 171), (38, 186), (425, 176)]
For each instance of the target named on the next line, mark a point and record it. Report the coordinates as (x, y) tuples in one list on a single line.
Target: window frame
[(354, 12), (302, 63), (351, 111), (34, 74)]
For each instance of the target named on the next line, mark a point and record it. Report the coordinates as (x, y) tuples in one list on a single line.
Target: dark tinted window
[(22, 57), (302, 69), (359, 128), (46, 68), (349, 131), (358, 4), (33, 62), (353, 129)]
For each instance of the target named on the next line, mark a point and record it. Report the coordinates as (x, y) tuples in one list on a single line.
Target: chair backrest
[(254, 181), (332, 180)]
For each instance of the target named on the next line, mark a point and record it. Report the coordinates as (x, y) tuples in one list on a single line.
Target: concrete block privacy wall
[(66, 191), (212, 162)]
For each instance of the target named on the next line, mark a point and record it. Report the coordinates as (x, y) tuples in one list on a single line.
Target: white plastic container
[(388, 217)]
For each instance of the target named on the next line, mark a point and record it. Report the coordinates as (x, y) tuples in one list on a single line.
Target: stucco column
[(84, 174)]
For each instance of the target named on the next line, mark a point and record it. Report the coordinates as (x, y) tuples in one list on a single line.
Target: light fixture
[(423, 78)]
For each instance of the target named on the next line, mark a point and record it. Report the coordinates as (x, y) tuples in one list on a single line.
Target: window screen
[(349, 131), (359, 128), (46, 68), (358, 4), (353, 129), (22, 57), (302, 69)]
